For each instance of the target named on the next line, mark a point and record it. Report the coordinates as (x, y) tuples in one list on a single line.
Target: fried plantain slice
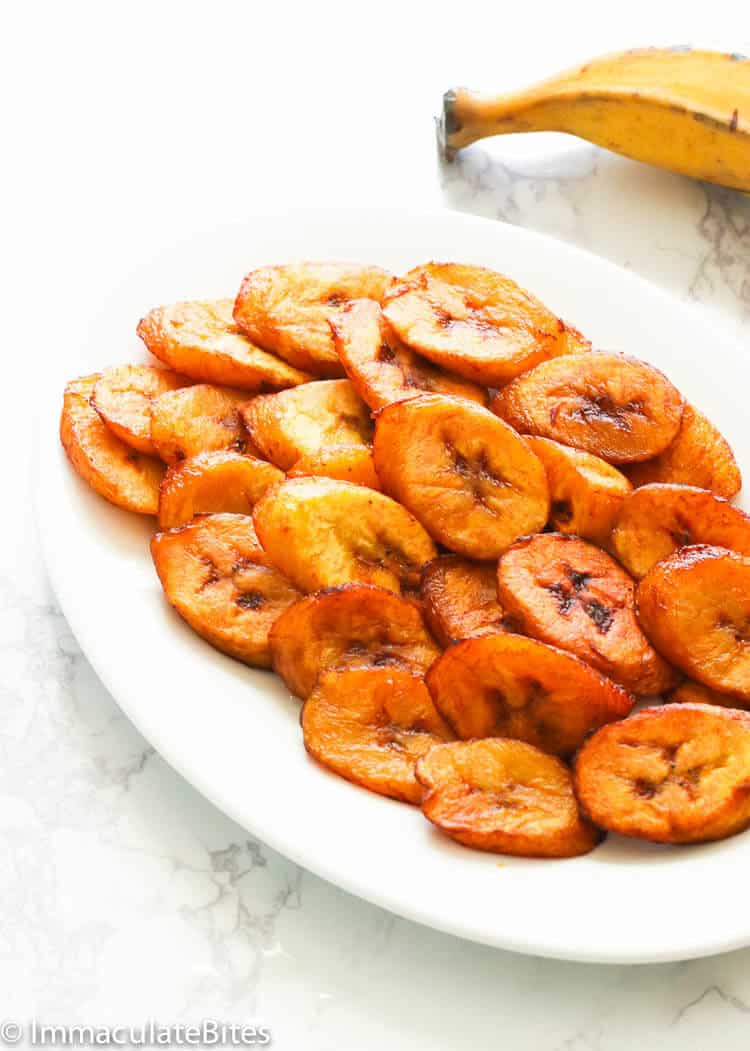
[(570, 594), (504, 796), (610, 405), (658, 519), (197, 419), (699, 456), (369, 725), (353, 625), (476, 322), (287, 309), (321, 532), (113, 469), (212, 482), (306, 419), (472, 482), (586, 492), (201, 339), (695, 608), (459, 598), (348, 463), (677, 774), (690, 692), (123, 397), (218, 578), (511, 686), (381, 367)]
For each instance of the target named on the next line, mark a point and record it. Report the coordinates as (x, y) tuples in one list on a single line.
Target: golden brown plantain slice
[(123, 397), (353, 625), (504, 796), (201, 339), (585, 491), (570, 594), (657, 519), (699, 455), (321, 533), (306, 419), (695, 608), (348, 463), (216, 575), (460, 599), (677, 774), (197, 419), (511, 686), (287, 309), (381, 367), (476, 322), (472, 482), (610, 405), (212, 482), (369, 725), (113, 469), (689, 692)]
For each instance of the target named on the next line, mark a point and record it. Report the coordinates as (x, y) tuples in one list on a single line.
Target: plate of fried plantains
[(416, 543)]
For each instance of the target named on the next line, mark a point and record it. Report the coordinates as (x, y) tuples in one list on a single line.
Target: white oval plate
[(234, 732)]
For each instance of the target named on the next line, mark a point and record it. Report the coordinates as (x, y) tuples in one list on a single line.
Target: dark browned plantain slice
[(347, 463), (460, 599), (213, 482), (123, 397), (197, 419)]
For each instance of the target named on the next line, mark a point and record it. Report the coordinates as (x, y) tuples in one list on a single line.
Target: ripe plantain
[(695, 608), (504, 796), (353, 625), (218, 578), (303, 420), (511, 686), (656, 520), (699, 456), (476, 322), (123, 397), (113, 469), (213, 482), (381, 367), (682, 109), (321, 533), (197, 419), (471, 481), (615, 407), (287, 309), (585, 491), (677, 774), (459, 598), (690, 692), (570, 594), (369, 725), (348, 463)]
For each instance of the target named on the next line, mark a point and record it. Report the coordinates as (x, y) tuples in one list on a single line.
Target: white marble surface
[(123, 894)]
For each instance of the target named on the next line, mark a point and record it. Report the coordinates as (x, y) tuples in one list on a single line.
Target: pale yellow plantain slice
[(504, 796), (348, 463), (699, 455), (197, 419), (216, 575), (287, 309), (570, 594), (586, 493), (200, 339), (476, 322), (354, 625), (511, 686), (213, 482), (298, 422), (370, 725), (460, 599), (695, 608), (113, 469), (472, 482), (382, 368), (677, 774), (321, 533), (123, 397), (656, 520), (615, 407)]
